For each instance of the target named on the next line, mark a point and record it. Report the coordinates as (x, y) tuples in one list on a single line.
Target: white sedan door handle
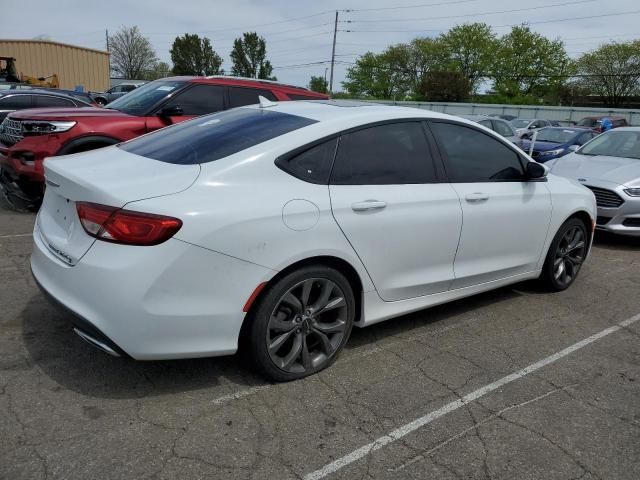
[(368, 205), (477, 197)]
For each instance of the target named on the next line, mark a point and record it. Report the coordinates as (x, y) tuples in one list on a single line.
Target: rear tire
[(301, 323), (565, 256)]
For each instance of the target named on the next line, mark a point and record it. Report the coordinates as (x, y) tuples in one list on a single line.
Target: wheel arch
[(76, 143), (339, 264)]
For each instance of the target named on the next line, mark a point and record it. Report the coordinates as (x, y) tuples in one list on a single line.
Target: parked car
[(117, 91), (610, 166), (150, 107), (526, 127), (15, 100), (554, 142), (267, 226), (596, 122), (502, 127), (503, 116)]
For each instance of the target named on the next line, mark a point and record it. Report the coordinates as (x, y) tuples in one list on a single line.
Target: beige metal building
[(74, 65)]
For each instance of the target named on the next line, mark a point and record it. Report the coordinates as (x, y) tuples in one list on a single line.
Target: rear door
[(506, 217), (402, 222)]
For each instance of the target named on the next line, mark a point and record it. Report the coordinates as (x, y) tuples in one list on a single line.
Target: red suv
[(595, 123), (29, 136)]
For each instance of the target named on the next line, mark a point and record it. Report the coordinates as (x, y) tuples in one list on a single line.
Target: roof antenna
[(266, 103)]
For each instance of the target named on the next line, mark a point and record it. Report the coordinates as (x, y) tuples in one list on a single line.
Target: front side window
[(395, 153), (486, 123), (472, 156), (212, 137), (199, 100), (312, 165), (240, 96), (143, 99)]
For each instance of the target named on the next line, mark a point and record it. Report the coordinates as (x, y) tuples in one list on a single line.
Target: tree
[(131, 53), (384, 75), (192, 55), (318, 84), (249, 55), (445, 86), (470, 50), (159, 70), (612, 71), (528, 63), (425, 55)]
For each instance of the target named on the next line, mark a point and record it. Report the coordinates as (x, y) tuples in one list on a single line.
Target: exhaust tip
[(95, 342)]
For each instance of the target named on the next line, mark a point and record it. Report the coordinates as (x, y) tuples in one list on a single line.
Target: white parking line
[(450, 407), (237, 395), (16, 235)]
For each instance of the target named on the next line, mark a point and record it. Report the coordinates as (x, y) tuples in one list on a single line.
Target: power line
[(576, 2), (420, 5)]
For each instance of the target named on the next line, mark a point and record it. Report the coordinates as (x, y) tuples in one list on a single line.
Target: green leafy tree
[(528, 63), (249, 56), (159, 70), (318, 84), (470, 49), (385, 75), (612, 71), (425, 55), (131, 53), (192, 55), (444, 86)]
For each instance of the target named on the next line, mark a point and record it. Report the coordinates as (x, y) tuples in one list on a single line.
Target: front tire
[(565, 256), (301, 323)]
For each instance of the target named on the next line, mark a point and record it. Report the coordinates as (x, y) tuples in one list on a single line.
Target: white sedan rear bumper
[(173, 300)]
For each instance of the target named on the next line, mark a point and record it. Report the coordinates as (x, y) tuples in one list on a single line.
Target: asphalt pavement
[(512, 384)]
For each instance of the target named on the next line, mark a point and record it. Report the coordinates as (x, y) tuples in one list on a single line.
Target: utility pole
[(333, 54), (106, 36)]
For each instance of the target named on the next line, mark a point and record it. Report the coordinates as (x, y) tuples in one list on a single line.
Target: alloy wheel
[(307, 326), (569, 255)]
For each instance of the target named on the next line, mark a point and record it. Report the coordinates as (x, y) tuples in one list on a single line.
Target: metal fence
[(520, 111)]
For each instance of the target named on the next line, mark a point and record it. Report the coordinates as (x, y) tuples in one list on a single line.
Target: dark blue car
[(554, 142)]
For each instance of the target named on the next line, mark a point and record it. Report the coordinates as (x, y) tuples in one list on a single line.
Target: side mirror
[(536, 171), (573, 148), (172, 111)]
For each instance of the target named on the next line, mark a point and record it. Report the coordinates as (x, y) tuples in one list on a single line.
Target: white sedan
[(280, 226)]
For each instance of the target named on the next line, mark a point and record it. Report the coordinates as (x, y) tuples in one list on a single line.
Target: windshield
[(555, 135), (614, 144), (212, 137), (588, 122), (140, 100), (520, 123)]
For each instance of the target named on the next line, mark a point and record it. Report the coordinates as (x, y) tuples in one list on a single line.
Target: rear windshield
[(216, 136)]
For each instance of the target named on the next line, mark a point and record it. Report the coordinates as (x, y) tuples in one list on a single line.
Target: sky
[(299, 34)]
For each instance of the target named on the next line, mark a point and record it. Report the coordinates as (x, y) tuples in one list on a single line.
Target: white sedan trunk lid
[(108, 176)]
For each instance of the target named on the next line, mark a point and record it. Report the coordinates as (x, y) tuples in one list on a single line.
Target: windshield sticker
[(165, 88), (567, 131)]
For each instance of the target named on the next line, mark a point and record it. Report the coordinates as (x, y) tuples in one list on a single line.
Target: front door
[(506, 217)]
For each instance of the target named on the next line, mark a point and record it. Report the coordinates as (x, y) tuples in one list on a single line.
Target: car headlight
[(557, 151), (36, 127), (632, 192)]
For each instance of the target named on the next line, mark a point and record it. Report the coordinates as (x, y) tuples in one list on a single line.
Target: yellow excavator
[(9, 74)]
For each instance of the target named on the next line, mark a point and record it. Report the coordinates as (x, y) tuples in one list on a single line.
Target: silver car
[(610, 166), (498, 125), (526, 127)]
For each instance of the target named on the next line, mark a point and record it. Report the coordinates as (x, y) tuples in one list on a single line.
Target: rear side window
[(216, 136), (199, 100), (473, 156), (312, 165), (239, 96), (503, 129), (395, 153), (43, 101), (15, 102)]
